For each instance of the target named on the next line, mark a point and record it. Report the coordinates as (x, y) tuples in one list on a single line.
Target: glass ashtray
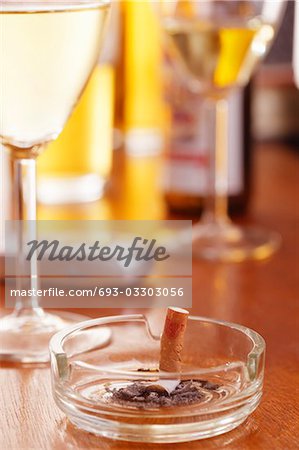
[(106, 379)]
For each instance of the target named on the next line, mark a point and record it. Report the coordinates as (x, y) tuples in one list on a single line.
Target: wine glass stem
[(24, 173), (216, 207)]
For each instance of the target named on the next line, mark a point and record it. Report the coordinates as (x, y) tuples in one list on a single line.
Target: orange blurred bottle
[(144, 109)]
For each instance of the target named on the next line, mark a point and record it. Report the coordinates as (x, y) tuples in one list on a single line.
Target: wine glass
[(216, 45), (48, 51)]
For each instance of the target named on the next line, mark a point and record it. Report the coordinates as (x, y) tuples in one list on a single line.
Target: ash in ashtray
[(142, 395)]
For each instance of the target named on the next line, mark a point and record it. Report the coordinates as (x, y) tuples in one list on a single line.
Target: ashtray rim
[(57, 341)]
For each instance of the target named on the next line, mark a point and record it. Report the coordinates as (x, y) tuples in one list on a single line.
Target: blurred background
[(135, 147)]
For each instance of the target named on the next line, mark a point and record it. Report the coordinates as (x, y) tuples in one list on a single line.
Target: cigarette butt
[(172, 339), (163, 386)]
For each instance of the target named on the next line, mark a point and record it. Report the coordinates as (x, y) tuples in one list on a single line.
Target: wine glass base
[(26, 338), (228, 242)]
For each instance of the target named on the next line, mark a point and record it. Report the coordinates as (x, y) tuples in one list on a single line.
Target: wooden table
[(261, 295)]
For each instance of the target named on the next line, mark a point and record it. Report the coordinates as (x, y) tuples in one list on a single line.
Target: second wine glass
[(217, 45)]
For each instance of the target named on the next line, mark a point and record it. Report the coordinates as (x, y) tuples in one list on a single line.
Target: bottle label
[(191, 142)]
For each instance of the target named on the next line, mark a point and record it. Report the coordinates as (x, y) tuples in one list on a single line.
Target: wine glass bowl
[(219, 42), (48, 55)]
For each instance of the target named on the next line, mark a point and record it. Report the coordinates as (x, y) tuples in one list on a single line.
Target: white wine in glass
[(219, 56), (217, 45), (48, 51)]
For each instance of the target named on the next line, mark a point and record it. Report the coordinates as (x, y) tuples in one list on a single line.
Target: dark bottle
[(186, 161)]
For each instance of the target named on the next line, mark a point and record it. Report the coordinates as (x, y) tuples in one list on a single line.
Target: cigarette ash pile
[(166, 392), (144, 396)]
